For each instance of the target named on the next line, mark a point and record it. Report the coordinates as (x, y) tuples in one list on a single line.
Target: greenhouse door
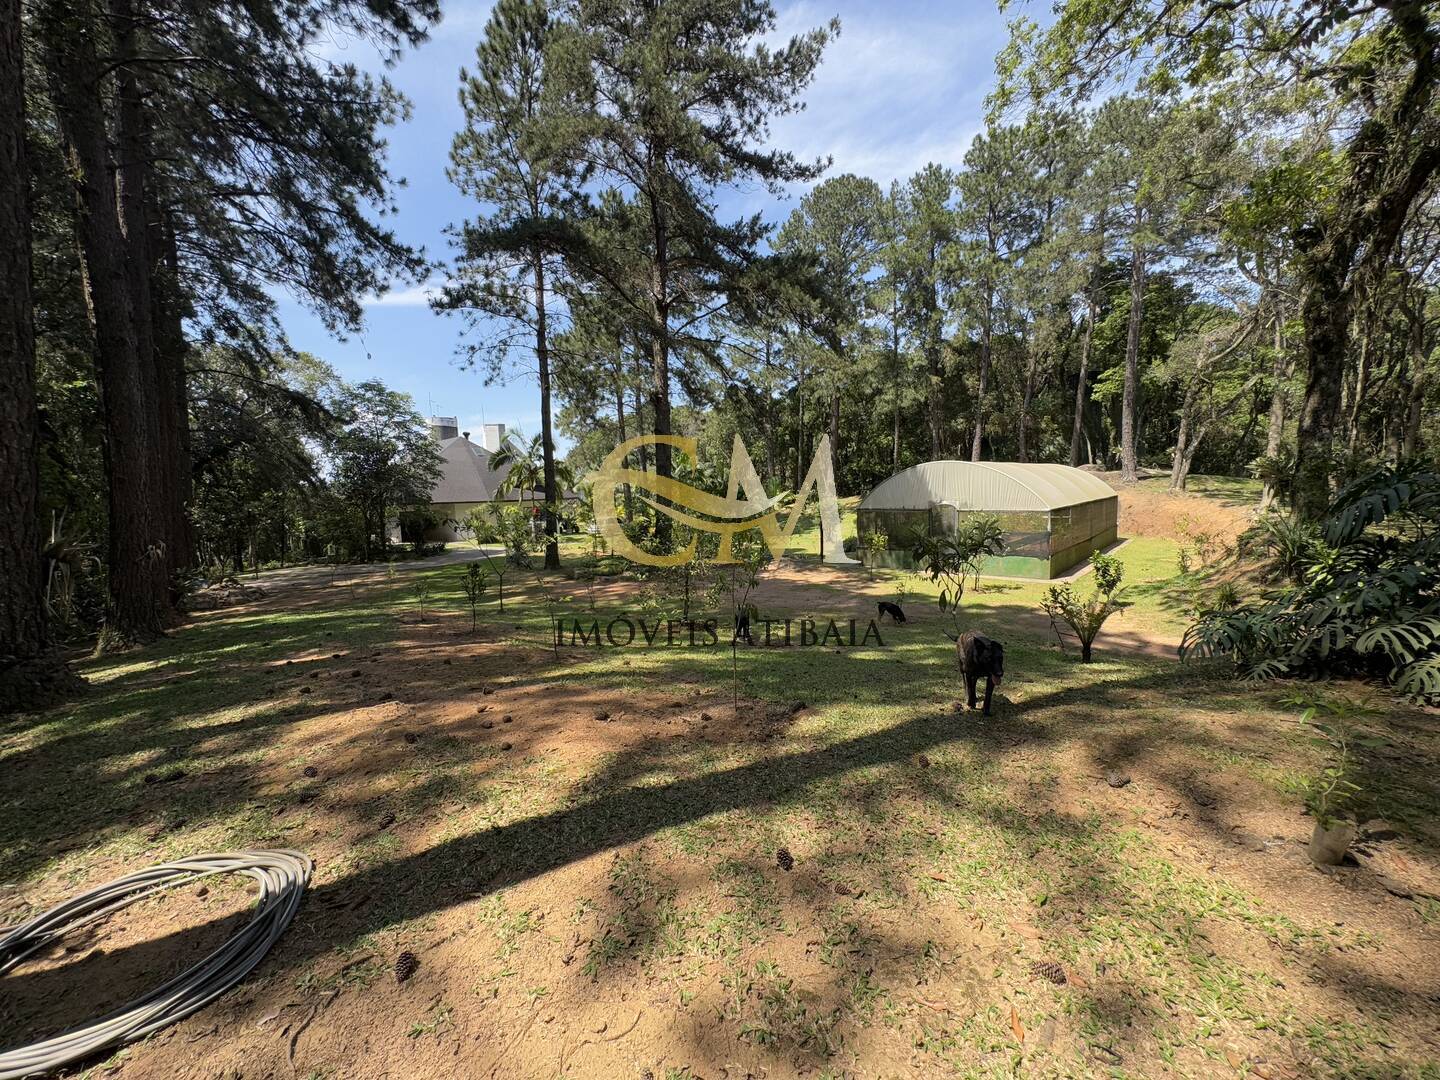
[(944, 519)]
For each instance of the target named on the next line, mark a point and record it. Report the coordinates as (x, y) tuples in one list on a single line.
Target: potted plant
[(1330, 795), (1327, 797)]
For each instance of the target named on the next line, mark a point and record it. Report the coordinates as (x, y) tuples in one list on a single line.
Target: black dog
[(742, 623), (893, 610), (978, 655)]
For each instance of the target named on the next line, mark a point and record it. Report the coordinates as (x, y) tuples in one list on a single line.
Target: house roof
[(466, 476), (465, 473), (987, 485)]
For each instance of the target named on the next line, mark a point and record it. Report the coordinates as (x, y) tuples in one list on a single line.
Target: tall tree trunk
[(660, 409), (1419, 382), (171, 351), (139, 603), (1326, 318), (895, 389), (620, 426), (934, 402), (934, 366), (1362, 377), (32, 675), (1027, 401), (1077, 426), (1391, 159), (1184, 451), (159, 349), (660, 364), (638, 411), (131, 165), (835, 428), (799, 430), (547, 431), (1129, 460), (983, 386), (1280, 371)]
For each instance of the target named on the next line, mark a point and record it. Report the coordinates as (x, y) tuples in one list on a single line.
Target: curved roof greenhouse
[(987, 485)]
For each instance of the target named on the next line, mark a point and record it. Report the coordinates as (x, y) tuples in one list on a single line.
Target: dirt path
[(288, 578)]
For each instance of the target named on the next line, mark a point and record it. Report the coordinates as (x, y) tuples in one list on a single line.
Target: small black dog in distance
[(742, 623), (980, 656), (893, 610)]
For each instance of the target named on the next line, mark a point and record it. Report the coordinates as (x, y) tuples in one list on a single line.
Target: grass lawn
[(588, 851)]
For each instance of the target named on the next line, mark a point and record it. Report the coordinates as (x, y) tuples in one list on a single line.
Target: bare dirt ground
[(1148, 510), (588, 866)]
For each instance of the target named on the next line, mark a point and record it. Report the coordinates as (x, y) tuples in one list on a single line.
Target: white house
[(468, 478)]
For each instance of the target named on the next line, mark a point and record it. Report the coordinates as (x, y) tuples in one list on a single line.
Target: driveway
[(299, 577)]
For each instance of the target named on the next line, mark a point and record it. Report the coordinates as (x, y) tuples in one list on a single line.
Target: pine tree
[(931, 265), (506, 158), (76, 36), (30, 675), (835, 231), (670, 102), (213, 157)]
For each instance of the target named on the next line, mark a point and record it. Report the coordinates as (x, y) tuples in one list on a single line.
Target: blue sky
[(903, 85)]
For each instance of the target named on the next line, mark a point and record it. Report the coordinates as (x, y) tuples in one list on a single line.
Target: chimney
[(493, 437), (444, 427)]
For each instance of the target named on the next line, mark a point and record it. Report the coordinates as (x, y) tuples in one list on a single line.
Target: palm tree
[(526, 462)]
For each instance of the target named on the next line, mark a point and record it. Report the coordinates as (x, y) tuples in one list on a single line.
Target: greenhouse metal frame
[(1053, 517)]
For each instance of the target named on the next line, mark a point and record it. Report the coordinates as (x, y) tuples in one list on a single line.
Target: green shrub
[(480, 524), (1086, 615), (1330, 795), (953, 561), (1288, 545), (1362, 592)]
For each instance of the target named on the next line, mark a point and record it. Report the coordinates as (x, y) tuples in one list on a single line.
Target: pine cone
[(410, 737), (406, 964), (1049, 971), (311, 772), (785, 860)]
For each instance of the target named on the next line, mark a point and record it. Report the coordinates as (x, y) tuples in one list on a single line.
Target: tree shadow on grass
[(860, 689), (613, 813)]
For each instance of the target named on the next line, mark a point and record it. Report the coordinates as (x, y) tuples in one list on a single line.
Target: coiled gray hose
[(282, 875)]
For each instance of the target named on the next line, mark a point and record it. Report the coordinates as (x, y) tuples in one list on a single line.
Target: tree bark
[(1077, 427), (1027, 402), (171, 351), (1362, 378), (934, 366), (1419, 380), (895, 390), (32, 675), (1129, 460), (1280, 371), (620, 426), (138, 605), (159, 350), (1392, 157), (660, 364), (835, 428), (983, 385), (547, 431)]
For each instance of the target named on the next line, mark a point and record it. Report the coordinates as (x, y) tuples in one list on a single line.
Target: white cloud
[(414, 296), (892, 94)]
